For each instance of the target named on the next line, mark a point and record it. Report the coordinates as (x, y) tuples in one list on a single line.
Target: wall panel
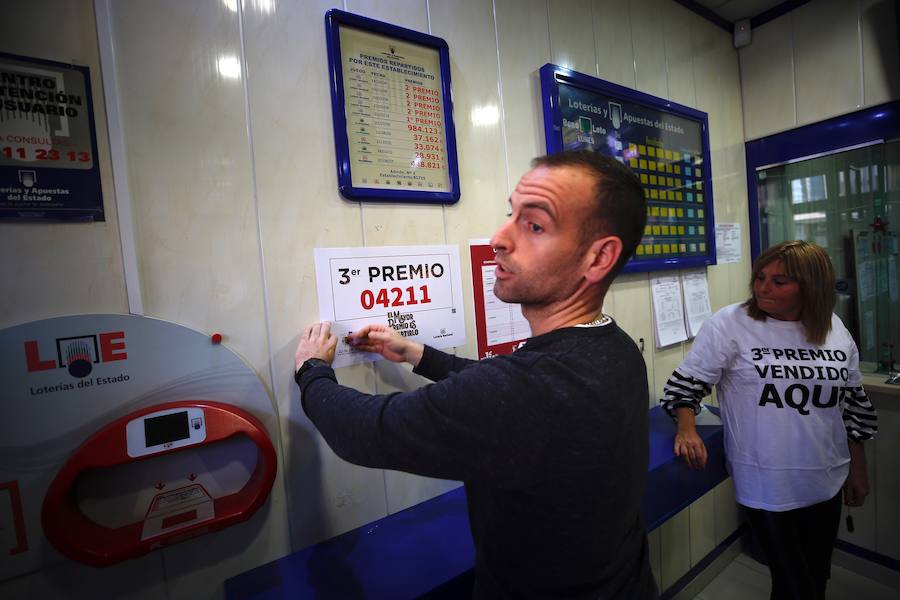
[(881, 55), (825, 42), (613, 41), (523, 44), (825, 58), (299, 210), (183, 106), (767, 77), (649, 46), (572, 35)]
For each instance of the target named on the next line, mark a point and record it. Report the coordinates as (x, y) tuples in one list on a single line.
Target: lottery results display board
[(665, 143), (500, 327), (392, 111), (416, 290), (48, 144)]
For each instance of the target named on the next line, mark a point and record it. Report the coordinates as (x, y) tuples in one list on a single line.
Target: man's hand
[(316, 341), (387, 342)]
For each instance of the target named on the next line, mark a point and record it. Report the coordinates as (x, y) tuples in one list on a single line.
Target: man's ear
[(601, 257)]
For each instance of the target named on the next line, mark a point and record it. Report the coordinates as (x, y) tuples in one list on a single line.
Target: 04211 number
[(394, 297)]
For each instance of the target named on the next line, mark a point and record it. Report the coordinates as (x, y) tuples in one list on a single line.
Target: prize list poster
[(395, 113)]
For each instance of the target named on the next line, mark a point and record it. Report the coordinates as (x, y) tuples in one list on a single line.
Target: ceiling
[(734, 10)]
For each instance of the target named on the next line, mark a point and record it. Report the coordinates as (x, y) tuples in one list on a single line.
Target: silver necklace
[(598, 322)]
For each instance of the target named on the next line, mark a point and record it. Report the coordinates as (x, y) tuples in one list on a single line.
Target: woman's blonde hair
[(811, 267)]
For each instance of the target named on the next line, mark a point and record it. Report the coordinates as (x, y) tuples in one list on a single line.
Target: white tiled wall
[(227, 129), (826, 58)]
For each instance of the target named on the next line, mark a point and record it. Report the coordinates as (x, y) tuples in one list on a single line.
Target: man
[(550, 441)]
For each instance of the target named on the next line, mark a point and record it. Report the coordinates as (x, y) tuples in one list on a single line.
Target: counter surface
[(418, 550)]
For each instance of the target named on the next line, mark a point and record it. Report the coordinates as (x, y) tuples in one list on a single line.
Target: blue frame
[(87, 204), (865, 126), (553, 76), (334, 19)]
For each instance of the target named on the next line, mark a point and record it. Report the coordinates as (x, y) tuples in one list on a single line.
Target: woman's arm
[(856, 488), (688, 442), (682, 401)]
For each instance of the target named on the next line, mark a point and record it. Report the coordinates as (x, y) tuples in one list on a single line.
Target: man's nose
[(501, 239)]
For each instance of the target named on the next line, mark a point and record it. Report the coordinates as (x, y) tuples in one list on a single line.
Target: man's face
[(539, 250)]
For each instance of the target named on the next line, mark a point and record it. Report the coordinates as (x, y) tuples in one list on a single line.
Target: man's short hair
[(620, 207)]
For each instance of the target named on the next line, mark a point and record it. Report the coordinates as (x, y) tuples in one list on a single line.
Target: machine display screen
[(166, 428)]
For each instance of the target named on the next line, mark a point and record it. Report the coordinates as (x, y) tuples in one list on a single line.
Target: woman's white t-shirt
[(782, 401)]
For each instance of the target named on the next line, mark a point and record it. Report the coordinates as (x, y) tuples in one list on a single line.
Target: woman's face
[(777, 294)]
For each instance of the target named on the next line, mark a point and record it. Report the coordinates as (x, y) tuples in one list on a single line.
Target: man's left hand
[(316, 341)]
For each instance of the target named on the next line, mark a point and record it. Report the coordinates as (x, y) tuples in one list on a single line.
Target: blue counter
[(427, 549)]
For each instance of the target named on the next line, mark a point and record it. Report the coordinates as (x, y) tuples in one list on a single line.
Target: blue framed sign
[(667, 145), (48, 144), (392, 112)]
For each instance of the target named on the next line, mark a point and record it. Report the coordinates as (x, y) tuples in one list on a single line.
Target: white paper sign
[(668, 316), (414, 289), (728, 243), (696, 300)]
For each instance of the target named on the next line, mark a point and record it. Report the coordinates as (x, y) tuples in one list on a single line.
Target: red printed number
[(394, 297)]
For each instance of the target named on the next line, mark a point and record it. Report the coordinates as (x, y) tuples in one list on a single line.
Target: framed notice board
[(392, 111), (49, 169), (666, 144)]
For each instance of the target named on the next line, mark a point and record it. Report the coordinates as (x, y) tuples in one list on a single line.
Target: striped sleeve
[(683, 390), (860, 418)]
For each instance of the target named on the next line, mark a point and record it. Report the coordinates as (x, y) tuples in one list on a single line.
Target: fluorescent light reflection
[(485, 116), (228, 67), (266, 7), (811, 216)]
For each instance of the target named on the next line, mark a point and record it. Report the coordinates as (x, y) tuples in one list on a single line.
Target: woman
[(786, 371)]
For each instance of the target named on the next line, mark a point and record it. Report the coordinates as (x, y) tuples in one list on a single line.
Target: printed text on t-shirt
[(801, 395)]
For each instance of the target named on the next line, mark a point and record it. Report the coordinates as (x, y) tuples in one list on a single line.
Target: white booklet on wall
[(668, 316), (696, 300)]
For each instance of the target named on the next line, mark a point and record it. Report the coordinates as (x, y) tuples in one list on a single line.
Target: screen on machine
[(167, 428)]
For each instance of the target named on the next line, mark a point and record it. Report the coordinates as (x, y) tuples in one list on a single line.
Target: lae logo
[(78, 354)]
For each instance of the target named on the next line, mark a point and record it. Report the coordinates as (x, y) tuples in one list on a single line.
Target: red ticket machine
[(174, 515)]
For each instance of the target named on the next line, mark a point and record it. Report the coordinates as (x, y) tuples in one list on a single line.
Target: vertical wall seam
[(594, 39), (549, 28), (631, 38), (443, 206), (245, 75), (500, 94), (862, 65), (118, 160), (693, 34), (794, 69), (665, 58)]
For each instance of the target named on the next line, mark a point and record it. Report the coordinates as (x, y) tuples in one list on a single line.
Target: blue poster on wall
[(48, 143), (667, 146)]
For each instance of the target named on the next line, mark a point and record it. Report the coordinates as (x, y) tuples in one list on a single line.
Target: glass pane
[(846, 202)]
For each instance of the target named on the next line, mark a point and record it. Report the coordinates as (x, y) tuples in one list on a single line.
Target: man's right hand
[(387, 342)]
